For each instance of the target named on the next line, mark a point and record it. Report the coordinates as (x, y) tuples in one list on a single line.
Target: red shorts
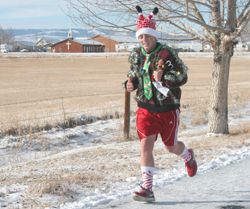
[(163, 123)]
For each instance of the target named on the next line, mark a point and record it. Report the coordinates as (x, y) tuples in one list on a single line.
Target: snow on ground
[(89, 165), (105, 54)]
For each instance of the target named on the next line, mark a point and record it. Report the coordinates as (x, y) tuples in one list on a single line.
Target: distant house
[(207, 47), (187, 46), (242, 45), (108, 42), (24, 46), (126, 47), (4, 48), (117, 43), (43, 44), (71, 45)]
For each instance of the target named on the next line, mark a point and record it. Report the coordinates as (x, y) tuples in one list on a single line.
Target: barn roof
[(120, 38), (80, 41), (87, 41)]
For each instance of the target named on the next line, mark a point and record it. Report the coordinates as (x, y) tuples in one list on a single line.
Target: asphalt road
[(225, 188)]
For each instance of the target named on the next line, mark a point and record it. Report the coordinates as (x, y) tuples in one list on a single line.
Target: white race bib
[(158, 85)]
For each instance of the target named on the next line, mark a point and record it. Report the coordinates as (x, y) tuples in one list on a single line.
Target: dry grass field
[(46, 90)]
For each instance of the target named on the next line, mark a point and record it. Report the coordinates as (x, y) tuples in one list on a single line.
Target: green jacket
[(174, 76)]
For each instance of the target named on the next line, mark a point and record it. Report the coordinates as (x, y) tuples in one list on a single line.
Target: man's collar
[(156, 49)]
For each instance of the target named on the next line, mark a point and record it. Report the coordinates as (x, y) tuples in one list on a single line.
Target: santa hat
[(146, 25)]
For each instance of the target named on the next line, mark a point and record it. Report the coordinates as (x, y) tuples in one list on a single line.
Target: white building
[(5, 48), (125, 42), (188, 46), (242, 46), (126, 47)]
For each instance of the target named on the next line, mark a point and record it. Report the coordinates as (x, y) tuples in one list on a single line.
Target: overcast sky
[(34, 14)]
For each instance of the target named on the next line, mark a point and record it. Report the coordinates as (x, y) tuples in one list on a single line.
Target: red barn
[(110, 44), (71, 45)]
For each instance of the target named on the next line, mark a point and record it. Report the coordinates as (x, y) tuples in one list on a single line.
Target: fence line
[(56, 113), (56, 98), (65, 113)]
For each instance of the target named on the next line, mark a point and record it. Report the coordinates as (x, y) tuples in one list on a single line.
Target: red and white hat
[(146, 25)]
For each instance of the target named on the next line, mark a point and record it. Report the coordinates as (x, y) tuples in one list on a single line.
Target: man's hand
[(158, 74), (130, 85)]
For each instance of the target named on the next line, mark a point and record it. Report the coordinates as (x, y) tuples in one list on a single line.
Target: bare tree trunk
[(218, 112), (223, 51)]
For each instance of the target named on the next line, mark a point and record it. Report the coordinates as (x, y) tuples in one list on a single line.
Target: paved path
[(224, 188)]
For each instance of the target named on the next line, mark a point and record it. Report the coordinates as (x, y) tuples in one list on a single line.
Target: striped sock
[(186, 155), (147, 177)]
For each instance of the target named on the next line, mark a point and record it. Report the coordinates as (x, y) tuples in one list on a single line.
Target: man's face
[(147, 42)]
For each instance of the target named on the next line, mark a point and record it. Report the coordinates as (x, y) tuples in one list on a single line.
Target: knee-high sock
[(186, 155), (147, 177)]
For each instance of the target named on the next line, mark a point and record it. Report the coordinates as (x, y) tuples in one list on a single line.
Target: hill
[(53, 35)]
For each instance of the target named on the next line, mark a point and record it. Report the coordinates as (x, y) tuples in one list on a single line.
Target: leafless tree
[(6, 36), (217, 22), (246, 33)]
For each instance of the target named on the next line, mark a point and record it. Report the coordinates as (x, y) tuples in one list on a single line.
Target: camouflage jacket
[(174, 75)]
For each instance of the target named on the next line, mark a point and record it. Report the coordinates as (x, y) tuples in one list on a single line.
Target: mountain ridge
[(53, 35)]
